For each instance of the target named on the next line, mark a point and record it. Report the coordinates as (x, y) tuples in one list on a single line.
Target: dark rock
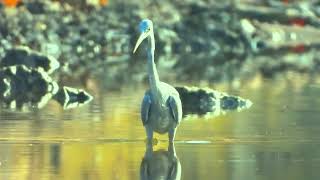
[(25, 88), (29, 58), (25, 83), (36, 7), (69, 97), (228, 103), (204, 101)]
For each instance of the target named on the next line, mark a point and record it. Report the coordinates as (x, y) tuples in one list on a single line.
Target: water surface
[(277, 138)]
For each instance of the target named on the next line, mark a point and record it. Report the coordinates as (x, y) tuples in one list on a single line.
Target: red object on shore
[(298, 22), (10, 3), (285, 1), (300, 48)]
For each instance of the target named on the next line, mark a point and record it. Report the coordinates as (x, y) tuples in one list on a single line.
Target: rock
[(25, 88), (36, 7), (206, 101), (29, 58), (25, 83), (69, 97)]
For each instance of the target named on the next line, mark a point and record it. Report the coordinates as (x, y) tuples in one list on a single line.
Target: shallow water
[(277, 138)]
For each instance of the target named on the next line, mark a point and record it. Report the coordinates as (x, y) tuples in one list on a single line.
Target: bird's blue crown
[(145, 25)]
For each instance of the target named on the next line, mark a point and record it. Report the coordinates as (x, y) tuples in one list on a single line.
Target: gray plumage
[(161, 109)]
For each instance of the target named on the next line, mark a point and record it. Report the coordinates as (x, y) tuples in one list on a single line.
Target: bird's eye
[(148, 29)]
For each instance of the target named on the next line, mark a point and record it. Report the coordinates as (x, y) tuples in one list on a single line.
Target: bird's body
[(161, 109), (160, 114)]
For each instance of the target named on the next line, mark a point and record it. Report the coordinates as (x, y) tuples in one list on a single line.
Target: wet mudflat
[(277, 138)]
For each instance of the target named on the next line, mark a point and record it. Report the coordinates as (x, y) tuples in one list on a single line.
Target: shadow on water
[(55, 160)]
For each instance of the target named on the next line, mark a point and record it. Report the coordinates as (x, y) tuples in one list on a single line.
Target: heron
[(161, 109)]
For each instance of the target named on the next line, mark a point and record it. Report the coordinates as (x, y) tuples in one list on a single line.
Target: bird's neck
[(152, 69)]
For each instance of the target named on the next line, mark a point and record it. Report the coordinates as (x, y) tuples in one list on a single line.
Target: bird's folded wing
[(175, 110), (145, 109)]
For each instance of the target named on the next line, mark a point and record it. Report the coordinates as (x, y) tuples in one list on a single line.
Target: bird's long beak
[(139, 41)]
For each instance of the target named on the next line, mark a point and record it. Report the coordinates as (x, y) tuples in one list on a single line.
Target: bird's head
[(146, 29)]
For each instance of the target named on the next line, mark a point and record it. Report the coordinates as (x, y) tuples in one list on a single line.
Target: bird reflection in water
[(160, 164)]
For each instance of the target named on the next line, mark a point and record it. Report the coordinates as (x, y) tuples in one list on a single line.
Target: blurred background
[(209, 40), (266, 51)]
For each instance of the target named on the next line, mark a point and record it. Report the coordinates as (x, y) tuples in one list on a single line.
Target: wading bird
[(161, 109)]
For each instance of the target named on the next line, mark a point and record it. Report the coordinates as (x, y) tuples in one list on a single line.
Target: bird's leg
[(149, 150), (171, 134), (171, 149), (149, 133)]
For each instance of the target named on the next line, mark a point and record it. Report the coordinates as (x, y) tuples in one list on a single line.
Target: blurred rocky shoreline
[(195, 40)]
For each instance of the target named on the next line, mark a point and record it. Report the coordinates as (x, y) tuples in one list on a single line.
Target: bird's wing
[(145, 108), (175, 108)]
